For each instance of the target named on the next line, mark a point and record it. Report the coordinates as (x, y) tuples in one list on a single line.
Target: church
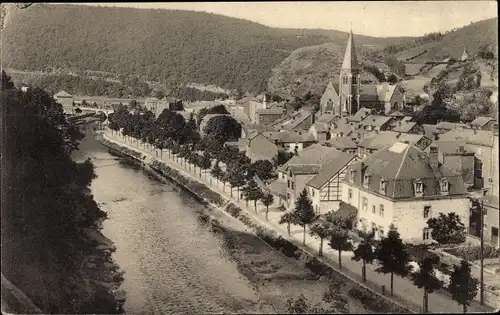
[(351, 95)]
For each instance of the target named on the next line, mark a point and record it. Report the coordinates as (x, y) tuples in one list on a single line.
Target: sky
[(372, 18)]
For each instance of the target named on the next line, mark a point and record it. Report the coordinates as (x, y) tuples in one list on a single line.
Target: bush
[(373, 303), (471, 253), (203, 218), (233, 210)]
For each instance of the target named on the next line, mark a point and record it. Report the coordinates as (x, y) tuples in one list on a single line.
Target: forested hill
[(175, 47)]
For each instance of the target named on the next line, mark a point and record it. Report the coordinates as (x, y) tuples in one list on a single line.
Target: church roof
[(350, 57)]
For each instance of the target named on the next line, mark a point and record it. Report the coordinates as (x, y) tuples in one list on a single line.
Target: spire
[(350, 57)]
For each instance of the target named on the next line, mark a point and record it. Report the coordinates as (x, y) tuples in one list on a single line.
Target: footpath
[(405, 293)]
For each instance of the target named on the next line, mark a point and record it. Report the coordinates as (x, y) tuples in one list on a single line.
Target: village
[(357, 155)]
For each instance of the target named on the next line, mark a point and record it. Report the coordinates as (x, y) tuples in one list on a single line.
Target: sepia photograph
[(252, 157)]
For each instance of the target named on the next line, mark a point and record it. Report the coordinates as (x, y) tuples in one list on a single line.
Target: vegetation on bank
[(48, 212)]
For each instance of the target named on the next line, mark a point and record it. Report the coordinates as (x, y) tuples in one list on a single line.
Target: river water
[(172, 264)]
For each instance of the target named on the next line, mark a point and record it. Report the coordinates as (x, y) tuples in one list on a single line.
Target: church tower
[(349, 80)]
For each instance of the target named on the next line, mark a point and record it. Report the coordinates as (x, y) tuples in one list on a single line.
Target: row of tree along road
[(207, 152)]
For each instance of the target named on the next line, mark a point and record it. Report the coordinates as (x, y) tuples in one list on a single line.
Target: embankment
[(371, 301)]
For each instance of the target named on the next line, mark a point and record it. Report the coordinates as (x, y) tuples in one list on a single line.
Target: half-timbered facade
[(325, 189)]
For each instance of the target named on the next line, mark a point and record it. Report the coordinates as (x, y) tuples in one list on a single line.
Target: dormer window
[(366, 180), (418, 188), (383, 186), (353, 175), (443, 185)]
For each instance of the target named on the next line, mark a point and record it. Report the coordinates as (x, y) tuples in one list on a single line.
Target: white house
[(404, 186)]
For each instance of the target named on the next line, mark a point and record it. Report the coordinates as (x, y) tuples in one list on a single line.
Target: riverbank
[(277, 276)]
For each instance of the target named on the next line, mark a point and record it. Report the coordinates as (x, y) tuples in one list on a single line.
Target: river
[(172, 263)]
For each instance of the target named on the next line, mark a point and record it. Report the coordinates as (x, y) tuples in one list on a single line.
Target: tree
[(189, 132), (205, 163), (158, 94), (392, 78), (392, 256), (322, 229), (304, 211), (267, 199), (364, 251), (289, 218), (282, 157), (217, 109), (262, 168), (425, 278), (223, 129), (340, 241), (216, 172), (337, 301), (253, 192), (236, 177), (463, 287), (447, 229)]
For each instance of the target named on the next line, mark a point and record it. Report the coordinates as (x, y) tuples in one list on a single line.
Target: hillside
[(171, 46), (452, 44), (310, 68)]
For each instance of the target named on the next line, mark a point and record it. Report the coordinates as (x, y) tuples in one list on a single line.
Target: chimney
[(398, 135), (433, 157), (461, 149), (347, 119)]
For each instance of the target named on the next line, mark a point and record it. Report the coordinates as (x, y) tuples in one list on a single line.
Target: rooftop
[(470, 136), (376, 120), (289, 136), (481, 121), (376, 141), (404, 126), (335, 163)]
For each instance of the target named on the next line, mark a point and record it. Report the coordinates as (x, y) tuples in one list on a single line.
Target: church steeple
[(350, 56), (349, 81)]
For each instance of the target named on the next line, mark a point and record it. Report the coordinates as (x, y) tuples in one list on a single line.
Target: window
[(354, 79), (288, 183), (443, 185), (381, 210), (381, 231), (418, 187), (374, 209), (365, 204), (427, 212), (312, 192), (426, 234), (374, 228), (349, 194), (383, 186), (353, 175), (366, 180), (293, 185)]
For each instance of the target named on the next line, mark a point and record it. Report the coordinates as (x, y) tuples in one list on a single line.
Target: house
[(325, 189), (155, 105), (344, 144), (382, 97), (64, 98), (483, 123), (300, 120), (320, 131), (294, 174), (380, 139), (408, 127), (482, 143), (325, 118), (251, 106), (259, 147), (269, 115), (445, 126), (459, 157), (291, 141), (403, 186), (361, 114), (377, 122), (491, 220), (430, 131)]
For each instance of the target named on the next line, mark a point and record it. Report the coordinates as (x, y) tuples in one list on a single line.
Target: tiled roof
[(277, 188), (325, 118), (368, 93), (304, 168), (289, 136), (376, 141), (271, 111), (397, 114), (481, 121), (361, 114), (314, 154), (261, 148), (298, 118), (350, 57), (375, 120), (342, 143), (404, 126), (407, 118), (321, 127), (448, 125), (400, 165), (330, 169), (470, 136), (429, 129), (452, 147)]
